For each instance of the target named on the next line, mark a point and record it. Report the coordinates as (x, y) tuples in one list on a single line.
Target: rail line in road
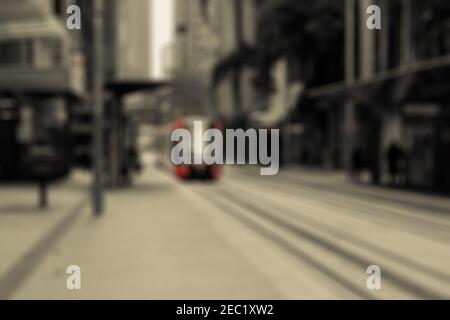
[(317, 224), (437, 228), (330, 250), (436, 210), (361, 262), (406, 198), (292, 249)]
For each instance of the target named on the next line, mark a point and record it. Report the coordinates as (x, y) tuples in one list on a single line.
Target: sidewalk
[(25, 229), (150, 244)]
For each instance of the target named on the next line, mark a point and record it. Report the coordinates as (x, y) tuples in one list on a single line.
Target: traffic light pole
[(97, 188)]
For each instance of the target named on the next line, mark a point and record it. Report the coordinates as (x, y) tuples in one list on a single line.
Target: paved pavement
[(298, 235)]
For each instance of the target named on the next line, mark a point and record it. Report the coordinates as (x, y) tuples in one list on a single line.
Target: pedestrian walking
[(395, 156)]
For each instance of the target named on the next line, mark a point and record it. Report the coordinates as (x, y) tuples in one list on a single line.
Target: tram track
[(298, 216), (290, 248), (435, 229), (235, 203)]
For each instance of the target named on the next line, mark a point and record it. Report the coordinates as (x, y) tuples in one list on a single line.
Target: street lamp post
[(349, 60), (97, 188)]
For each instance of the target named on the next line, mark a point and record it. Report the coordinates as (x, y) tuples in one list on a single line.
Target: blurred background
[(85, 123)]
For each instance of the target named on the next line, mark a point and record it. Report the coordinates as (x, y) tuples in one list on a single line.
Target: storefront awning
[(124, 87), (438, 64)]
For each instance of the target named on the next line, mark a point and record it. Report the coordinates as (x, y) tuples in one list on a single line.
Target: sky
[(162, 25)]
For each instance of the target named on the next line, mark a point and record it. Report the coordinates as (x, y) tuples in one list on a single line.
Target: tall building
[(236, 22), (133, 42), (42, 75), (37, 49), (196, 40), (127, 39), (207, 31), (195, 52), (392, 94), (127, 69)]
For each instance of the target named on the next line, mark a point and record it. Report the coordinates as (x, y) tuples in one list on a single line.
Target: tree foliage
[(302, 30), (299, 29)]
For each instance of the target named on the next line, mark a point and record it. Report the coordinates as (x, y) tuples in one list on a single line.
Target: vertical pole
[(384, 35), (237, 5), (114, 160), (349, 40), (406, 40), (97, 193), (383, 53), (367, 55), (331, 123), (121, 141), (407, 56), (349, 107), (43, 199), (366, 43)]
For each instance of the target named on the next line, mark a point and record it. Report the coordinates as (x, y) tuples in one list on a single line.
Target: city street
[(298, 235), (252, 150)]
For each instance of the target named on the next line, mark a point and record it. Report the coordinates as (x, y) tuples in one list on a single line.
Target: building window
[(182, 29), (48, 53), (57, 7), (204, 9), (40, 53), (16, 52)]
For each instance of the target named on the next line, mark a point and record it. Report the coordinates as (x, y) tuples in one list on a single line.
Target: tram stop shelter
[(117, 123)]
